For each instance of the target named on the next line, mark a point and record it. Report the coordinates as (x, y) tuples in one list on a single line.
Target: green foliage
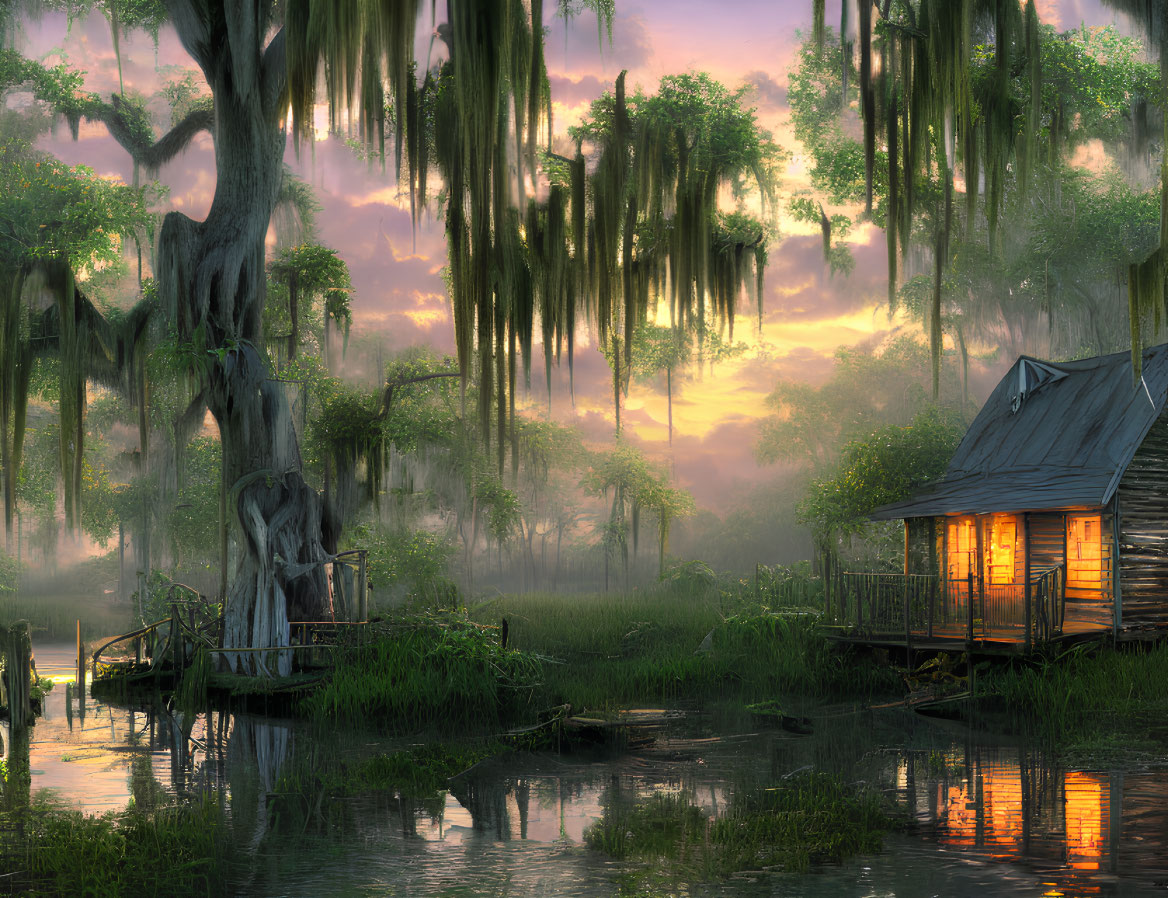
[(423, 413), (1082, 693), (9, 573), (309, 273), (636, 485), (1019, 98), (419, 772), (174, 849), (192, 522), (184, 94), (416, 562), (57, 211), (889, 465), (426, 671)]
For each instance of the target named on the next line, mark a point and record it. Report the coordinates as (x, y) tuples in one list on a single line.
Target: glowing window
[(1085, 548), (1000, 551), (962, 546)]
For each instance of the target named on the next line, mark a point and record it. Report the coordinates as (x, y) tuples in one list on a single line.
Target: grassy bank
[(1082, 693), (664, 646), (177, 850), (595, 653)]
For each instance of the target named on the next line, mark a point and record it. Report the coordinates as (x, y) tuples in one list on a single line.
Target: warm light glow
[(1003, 538), (1086, 821), (1002, 796), (962, 545), (1085, 549)]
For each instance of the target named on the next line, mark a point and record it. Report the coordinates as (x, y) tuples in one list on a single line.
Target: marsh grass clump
[(1081, 693), (437, 671), (811, 819), (172, 850), (665, 825), (814, 818)]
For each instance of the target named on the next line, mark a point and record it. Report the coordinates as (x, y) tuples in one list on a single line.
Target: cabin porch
[(1007, 582)]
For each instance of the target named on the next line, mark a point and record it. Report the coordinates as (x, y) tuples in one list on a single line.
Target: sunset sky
[(399, 295)]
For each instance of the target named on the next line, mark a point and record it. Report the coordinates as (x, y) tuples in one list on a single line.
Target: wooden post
[(981, 576), (932, 602), (907, 628), (176, 647), (362, 588), (1026, 574), (1116, 583), (969, 610), (339, 592), (80, 665)]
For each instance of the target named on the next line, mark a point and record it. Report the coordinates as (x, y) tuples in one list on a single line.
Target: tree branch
[(191, 417), (390, 386), (115, 117)]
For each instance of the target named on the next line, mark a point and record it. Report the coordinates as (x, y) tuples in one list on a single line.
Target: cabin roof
[(1051, 435)]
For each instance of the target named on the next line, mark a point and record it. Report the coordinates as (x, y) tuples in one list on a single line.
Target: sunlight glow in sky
[(398, 290)]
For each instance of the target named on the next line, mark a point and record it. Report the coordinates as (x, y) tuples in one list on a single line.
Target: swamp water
[(990, 816)]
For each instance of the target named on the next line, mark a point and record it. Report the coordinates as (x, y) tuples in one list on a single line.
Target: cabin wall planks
[(1143, 532)]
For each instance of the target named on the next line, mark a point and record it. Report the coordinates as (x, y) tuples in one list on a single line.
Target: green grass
[(176, 850), (427, 671), (1083, 693), (619, 649), (810, 819)]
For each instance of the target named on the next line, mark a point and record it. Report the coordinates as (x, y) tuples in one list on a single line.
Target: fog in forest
[(466, 467)]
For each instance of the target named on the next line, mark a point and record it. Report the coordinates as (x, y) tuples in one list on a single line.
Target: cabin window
[(1002, 543), (1085, 548), (962, 546)]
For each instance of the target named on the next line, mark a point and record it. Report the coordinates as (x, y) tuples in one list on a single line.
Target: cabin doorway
[(985, 573)]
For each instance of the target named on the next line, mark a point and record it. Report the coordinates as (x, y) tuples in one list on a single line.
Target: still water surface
[(992, 817)]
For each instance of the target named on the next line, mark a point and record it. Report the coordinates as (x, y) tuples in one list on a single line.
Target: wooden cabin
[(1051, 521)]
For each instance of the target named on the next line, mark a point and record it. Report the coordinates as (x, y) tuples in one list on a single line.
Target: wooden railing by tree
[(174, 639)]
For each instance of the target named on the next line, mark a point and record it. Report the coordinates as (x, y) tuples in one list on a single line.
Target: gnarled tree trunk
[(212, 280)]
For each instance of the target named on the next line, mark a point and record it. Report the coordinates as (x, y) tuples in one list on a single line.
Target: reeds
[(1081, 692), (427, 671), (176, 850)]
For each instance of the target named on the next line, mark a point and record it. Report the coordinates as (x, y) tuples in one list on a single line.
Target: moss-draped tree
[(979, 90)]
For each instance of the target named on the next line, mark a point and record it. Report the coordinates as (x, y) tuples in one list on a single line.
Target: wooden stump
[(17, 671)]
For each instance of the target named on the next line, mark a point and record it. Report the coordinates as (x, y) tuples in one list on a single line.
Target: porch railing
[(915, 606)]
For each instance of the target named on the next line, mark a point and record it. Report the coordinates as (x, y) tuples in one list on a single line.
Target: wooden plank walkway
[(1002, 645)]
